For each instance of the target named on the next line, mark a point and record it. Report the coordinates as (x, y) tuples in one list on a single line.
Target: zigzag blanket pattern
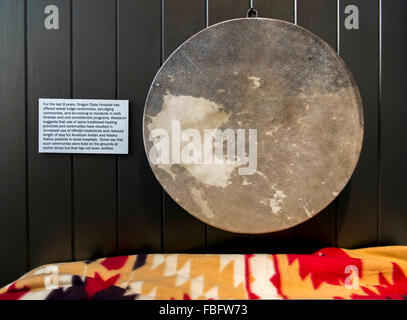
[(330, 273)]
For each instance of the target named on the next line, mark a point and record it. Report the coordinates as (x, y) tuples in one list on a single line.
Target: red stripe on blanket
[(276, 279), (250, 294), (13, 293)]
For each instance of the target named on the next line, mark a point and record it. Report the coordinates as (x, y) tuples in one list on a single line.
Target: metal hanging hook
[(251, 13)]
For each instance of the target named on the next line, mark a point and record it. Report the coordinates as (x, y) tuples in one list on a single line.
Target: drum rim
[(345, 69)]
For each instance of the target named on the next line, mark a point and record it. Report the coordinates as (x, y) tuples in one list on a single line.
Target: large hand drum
[(253, 125)]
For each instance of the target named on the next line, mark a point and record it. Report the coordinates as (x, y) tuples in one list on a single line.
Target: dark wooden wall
[(65, 207)]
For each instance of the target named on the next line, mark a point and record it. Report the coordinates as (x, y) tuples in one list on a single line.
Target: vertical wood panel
[(275, 9), (220, 10), (393, 171), (318, 16), (94, 176), (281, 241), (220, 241), (357, 204), (49, 175), (182, 232), (13, 249), (140, 194)]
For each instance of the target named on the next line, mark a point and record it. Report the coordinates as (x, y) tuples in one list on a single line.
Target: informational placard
[(83, 126)]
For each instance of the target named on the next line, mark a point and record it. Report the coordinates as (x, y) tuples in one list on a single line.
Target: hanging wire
[(251, 13)]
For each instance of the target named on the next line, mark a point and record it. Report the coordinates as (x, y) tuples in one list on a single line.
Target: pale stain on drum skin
[(201, 202), (276, 201), (189, 111), (309, 214), (299, 95), (256, 82), (246, 182)]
